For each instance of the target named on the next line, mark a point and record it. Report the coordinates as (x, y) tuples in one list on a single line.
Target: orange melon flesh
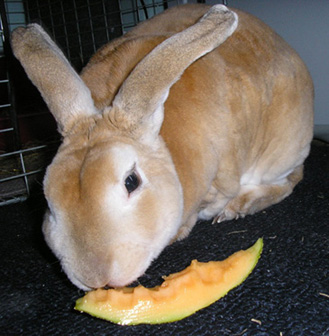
[(180, 295)]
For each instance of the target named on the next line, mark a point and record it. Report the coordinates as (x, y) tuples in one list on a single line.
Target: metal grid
[(28, 136), (81, 27)]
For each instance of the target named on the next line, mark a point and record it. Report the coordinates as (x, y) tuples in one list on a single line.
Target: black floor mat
[(287, 294)]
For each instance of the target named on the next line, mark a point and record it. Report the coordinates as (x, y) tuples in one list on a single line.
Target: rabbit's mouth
[(127, 267), (110, 284), (124, 267)]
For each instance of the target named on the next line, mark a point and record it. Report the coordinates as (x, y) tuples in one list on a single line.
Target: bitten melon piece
[(180, 295)]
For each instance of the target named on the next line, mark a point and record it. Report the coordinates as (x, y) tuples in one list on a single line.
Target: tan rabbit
[(176, 120)]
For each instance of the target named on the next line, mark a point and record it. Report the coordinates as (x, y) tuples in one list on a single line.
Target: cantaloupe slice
[(180, 295)]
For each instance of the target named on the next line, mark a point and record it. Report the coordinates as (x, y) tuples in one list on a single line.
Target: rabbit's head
[(115, 200), (114, 204)]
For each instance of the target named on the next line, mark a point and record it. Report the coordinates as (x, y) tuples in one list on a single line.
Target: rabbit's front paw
[(227, 214)]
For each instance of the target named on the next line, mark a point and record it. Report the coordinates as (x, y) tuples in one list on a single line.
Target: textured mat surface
[(287, 294)]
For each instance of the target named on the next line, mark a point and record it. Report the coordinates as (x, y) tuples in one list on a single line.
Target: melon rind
[(180, 295)]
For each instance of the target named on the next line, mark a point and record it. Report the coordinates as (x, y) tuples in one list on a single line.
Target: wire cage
[(28, 136)]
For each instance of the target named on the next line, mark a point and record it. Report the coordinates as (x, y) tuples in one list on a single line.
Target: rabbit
[(200, 113)]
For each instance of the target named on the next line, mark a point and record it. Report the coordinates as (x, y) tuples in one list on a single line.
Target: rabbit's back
[(241, 114)]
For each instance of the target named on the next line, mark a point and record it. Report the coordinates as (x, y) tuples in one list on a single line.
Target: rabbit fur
[(198, 113)]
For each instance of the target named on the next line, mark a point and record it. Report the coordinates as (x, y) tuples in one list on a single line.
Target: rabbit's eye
[(132, 182)]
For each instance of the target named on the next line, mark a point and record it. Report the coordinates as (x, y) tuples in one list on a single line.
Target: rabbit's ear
[(66, 95), (142, 95)]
